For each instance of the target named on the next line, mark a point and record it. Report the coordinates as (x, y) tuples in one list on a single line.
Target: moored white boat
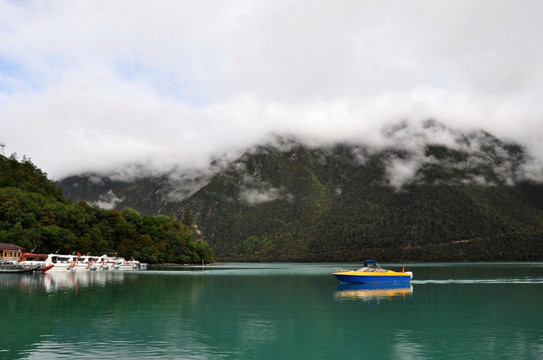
[(86, 262), (120, 263), (10, 267), (33, 260), (62, 263)]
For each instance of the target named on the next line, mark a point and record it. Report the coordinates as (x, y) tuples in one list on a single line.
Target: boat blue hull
[(361, 279), (374, 286)]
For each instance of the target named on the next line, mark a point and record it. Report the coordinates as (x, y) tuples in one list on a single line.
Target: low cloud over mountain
[(92, 87)]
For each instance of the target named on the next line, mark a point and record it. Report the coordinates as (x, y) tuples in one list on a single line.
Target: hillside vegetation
[(469, 200), (35, 215), (323, 207)]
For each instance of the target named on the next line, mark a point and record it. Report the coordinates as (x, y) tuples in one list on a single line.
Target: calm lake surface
[(274, 311)]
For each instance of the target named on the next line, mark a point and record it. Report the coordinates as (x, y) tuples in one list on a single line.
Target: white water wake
[(480, 281)]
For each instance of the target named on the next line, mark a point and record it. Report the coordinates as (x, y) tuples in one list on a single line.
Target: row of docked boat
[(74, 263)]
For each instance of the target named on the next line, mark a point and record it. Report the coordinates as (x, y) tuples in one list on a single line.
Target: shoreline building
[(10, 252)]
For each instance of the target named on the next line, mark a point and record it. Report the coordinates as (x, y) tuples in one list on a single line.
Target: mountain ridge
[(448, 198)]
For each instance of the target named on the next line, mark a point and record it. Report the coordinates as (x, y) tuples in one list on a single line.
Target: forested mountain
[(35, 215), (467, 198)]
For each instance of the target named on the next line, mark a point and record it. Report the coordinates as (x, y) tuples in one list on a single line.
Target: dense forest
[(344, 212), (287, 201), (35, 215)]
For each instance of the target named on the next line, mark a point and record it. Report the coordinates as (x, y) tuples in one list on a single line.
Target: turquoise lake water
[(274, 311)]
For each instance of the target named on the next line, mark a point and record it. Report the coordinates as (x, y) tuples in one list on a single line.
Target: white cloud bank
[(94, 86)]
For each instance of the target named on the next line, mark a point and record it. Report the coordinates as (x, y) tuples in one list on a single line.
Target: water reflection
[(368, 292), (285, 312), (60, 281)]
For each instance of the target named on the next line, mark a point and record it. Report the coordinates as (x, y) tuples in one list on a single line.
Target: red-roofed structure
[(10, 252)]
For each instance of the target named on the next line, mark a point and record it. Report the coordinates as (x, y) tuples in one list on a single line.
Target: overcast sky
[(94, 85)]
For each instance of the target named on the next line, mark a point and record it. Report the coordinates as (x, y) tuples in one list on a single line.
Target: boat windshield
[(370, 263), (371, 266)]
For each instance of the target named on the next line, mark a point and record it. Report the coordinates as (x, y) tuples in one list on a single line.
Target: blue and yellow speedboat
[(372, 273)]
